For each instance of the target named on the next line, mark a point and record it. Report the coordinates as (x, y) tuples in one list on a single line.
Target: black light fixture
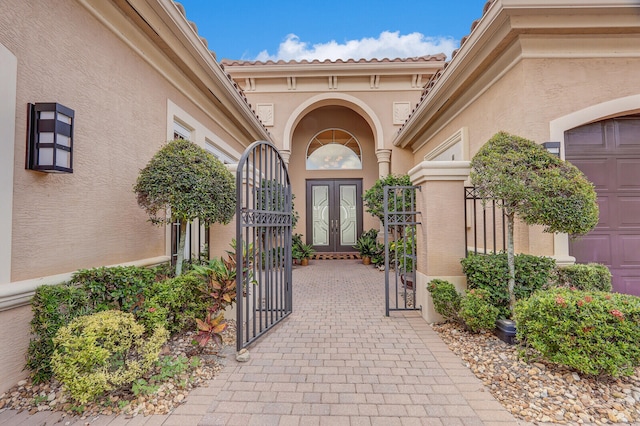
[(50, 138), (552, 148)]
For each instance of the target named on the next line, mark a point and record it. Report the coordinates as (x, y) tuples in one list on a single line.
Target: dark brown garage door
[(608, 153)]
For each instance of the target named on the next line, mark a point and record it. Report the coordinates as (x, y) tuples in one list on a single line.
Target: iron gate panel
[(400, 223), (263, 242), (485, 224)]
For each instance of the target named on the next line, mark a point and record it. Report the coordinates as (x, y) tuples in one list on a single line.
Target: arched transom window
[(334, 149)]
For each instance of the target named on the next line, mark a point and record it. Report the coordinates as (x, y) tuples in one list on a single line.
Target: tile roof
[(427, 58)]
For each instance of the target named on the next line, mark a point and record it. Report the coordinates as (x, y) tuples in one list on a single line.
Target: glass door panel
[(320, 218), (334, 214), (348, 216)]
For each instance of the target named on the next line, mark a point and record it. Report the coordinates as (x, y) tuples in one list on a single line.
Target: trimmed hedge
[(491, 273), (477, 312), (589, 277), (446, 299), (592, 332), (53, 306), (118, 287)]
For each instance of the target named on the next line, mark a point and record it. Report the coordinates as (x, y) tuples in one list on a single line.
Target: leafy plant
[(446, 299), (53, 307), (590, 277), (374, 197), (103, 351), (190, 183), (220, 282), (477, 312), (491, 273), (306, 251), (211, 328), (592, 332), (174, 303), (119, 287), (403, 249), (143, 387), (366, 246), (540, 188)]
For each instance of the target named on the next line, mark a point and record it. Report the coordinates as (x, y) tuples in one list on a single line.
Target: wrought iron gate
[(485, 224), (400, 226), (263, 242)]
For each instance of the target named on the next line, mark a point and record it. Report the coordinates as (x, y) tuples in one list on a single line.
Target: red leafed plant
[(220, 276), (210, 328)]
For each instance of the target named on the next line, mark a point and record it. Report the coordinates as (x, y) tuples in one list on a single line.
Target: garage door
[(608, 153)]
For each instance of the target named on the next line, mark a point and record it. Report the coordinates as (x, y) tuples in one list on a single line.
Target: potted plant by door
[(305, 252), (367, 247)]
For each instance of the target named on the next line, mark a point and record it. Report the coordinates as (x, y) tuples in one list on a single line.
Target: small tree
[(189, 182), (374, 196), (537, 186)]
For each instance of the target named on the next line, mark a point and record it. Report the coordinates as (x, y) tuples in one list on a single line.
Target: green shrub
[(592, 332), (103, 351), (477, 312), (119, 287), (590, 277), (174, 303), (53, 306), (446, 299), (491, 273)]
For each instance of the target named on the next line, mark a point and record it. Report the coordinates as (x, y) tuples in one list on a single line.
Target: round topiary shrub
[(477, 312), (592, 332), (446, 299), (104, 351)]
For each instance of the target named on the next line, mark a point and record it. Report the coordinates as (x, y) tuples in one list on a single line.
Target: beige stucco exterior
[(126, 90), (131, 69), (369, 99)]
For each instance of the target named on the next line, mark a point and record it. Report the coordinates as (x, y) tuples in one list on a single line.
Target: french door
[(334, 214)]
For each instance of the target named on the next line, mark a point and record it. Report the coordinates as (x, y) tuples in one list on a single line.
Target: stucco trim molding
[(19, 293), (8, 87), (439, 170), (324, 99)]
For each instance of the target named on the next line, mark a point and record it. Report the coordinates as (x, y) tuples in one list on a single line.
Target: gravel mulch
[(537, 391), (160, 398)]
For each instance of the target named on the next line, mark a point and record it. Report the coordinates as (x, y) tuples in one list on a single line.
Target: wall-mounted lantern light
[(552, 148), (50, 138)]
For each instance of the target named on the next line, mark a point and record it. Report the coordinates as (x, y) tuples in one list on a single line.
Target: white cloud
[(388, 45)]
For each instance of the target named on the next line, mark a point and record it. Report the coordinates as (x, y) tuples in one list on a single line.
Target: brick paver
[(337, 360)]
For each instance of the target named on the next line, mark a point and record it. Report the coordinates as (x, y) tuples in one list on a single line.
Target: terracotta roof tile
[(438, 57)]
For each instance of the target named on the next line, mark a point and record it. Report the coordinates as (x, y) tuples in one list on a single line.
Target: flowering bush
[(477, 312), (592, 332)]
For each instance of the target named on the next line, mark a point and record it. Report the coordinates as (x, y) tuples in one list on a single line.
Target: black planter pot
[(506, 331)]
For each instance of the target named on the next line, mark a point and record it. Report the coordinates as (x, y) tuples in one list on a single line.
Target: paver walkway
[(337, 360)]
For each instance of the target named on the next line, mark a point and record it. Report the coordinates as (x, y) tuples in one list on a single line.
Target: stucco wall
[(527, 98), (64, 222)]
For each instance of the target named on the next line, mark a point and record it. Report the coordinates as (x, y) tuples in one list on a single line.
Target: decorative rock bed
[(536, 391)]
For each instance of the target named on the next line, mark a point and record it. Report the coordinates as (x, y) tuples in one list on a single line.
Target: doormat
[(335, 256)]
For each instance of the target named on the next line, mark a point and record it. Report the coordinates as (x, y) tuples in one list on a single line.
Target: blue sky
[(330, 29)]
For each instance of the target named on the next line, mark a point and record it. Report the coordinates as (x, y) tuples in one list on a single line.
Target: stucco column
[(440, 239), (285, 154), (384, 162)]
